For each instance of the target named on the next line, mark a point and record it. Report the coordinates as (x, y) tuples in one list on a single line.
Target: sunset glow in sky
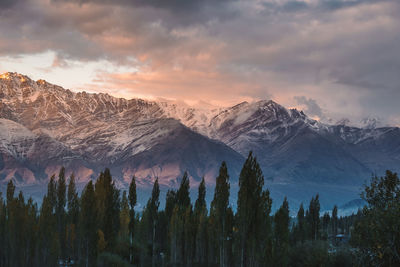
[(331, 58)]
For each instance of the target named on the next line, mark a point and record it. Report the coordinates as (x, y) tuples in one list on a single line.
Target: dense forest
[(100, 227)]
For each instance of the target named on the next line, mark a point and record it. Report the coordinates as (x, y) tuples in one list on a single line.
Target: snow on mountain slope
[(44, 126), (102, 131)]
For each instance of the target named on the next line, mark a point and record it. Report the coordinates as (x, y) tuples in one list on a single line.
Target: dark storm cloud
[(4, 4), (339, 4), (175, 6), (345, 51), (293, 6), (318, 6)]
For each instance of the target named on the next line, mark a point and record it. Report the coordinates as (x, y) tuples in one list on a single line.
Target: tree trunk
[(153, 258)]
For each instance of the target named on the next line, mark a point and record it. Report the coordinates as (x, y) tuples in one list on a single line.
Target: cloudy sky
[(331, 58)]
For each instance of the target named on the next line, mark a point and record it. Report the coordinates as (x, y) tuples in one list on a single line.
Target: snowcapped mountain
[(43, 126), (101, 131)]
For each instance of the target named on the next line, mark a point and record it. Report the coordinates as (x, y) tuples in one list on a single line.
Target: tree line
[(101, 227)]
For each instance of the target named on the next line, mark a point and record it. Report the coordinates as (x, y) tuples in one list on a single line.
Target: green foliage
[(281, 234), (111, 260), (101, 229), (181, 225), (334, 221), (309, 254), (253, 208), (132, 203), (60, 211), (182, 196), (88, 225), (299, 230), (343, 257), (377, 233), (200, 225), (108, 206), (72, 242), (219, 208), (312, 217)]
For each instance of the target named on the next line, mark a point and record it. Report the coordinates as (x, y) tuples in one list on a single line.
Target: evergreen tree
[(88, 225), (60, 211), (219, 207), (72, 219), (152, 207), (300, 228), (281, 234), (176, 237), (10, 192), (48, 238), (200, 225), (253, 208), (200, 205), (108, 205), (325, 225), (3, 231), (334, 221), (124, 217), (170, 202), (180, 223), (313, 218), (52, 193), (132, 203), (377, 232), (182, 195)]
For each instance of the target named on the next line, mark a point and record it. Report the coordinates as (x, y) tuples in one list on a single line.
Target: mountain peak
[(370, 123), (14, 76)]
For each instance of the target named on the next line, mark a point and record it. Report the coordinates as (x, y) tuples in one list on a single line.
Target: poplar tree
[(88, 222), (281, 235), (219, 207), (124, 217), (200, 224), (3, 220), (300, 228), (377, 232), (60, 210), (48, 234), (132, 203), (313, 218), (180, 223), (253, 209), (108, 205), (334, 221), (152, 209), (72, 218)]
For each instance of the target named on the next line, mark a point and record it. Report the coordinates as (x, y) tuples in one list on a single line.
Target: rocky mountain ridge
[(43, 126)]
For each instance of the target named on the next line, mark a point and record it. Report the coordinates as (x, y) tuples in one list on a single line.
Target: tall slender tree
[(108, 205), (72, 219), (132, 203), (180, 222), (60, 211), (89, 226), (313, 218), (334, 221), (152, 209), (219, 208), (281, 234), (300, 228), (3, 221), (253, 208), (200, 224)]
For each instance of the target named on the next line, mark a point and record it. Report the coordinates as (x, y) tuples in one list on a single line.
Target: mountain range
[(44, 126)]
